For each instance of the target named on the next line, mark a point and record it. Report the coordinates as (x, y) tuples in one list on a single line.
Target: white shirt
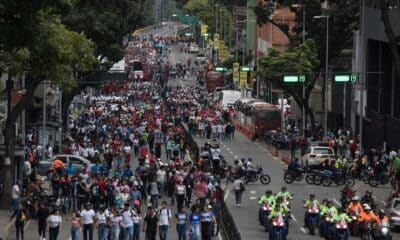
[(164, 216), (180, 189), (127, 149), (54, 221), (27, 168), (236, 184), (87, 216), (49, 152), (161, 175), (102, 217), (15, 192), (127, 220)]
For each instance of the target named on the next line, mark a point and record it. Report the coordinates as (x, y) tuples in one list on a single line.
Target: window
[(63, 159), (75, 161), (323, 151)]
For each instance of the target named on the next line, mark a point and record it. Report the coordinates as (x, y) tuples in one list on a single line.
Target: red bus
[(214, 80), (256, 117)]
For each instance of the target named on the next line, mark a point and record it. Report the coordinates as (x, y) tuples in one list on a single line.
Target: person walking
[(15, 195), (127, 222), (103, 220), (54, 221), (164, 215), (154, 192), (75, 226), (238, 188), (180, 191), (194, 220), (115, 222), (20, 217), (88, 217), (150, 226), (42, 215), (207, 218), (136, 223), (181, 220)]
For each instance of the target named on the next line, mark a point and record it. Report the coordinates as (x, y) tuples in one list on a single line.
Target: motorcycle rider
[(327, 210), (341, 218), (382, 218), (311, 203), (284, 194), (366, 216), (355, 206), (368, 199), (267, 198), (295, 166), (276, 212)]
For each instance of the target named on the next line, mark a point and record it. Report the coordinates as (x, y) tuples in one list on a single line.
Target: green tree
[(300, 60), (108, 24)]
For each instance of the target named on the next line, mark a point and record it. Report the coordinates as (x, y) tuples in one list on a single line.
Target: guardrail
[(227, 223)]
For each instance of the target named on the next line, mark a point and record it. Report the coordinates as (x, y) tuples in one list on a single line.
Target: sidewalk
[(6, 225)]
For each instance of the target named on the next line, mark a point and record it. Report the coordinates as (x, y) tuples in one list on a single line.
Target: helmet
[(268, 192), (368, 192), (366, 207), (312, 195), (355, 198), (249, 159), (283, 188), (381, 212)]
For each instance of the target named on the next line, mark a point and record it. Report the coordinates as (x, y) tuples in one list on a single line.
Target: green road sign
[(294, 79), (220, 69), (188, 34), (346, 78), (245, 69)]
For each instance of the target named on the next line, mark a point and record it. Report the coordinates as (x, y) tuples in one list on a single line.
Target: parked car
[(394, 213), (201, 58), (315, 153), (77, 161), (194, 48)]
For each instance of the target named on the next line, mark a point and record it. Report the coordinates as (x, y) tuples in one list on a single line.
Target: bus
[(227, 98), (256, 117), (135, 69), (213, 80)]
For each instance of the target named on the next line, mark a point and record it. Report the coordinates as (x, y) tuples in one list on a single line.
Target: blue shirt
[(194, 218), (70, 170), (181, 217), (206, 216)]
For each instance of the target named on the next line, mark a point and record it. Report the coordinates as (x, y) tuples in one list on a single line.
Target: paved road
[(246, 216)]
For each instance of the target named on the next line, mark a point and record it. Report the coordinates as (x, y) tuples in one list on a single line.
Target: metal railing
[(227, 223)]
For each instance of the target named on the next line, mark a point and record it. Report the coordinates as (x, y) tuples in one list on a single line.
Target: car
[(394, 213), (77, 161), (315, 153), (194, 48), (201, 58)]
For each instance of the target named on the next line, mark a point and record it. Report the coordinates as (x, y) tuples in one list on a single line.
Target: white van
[(227, 98)]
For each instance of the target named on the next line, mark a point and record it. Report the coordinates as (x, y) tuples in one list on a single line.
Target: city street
[(246, 216)]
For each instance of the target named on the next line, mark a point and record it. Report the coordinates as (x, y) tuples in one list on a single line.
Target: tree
[(109, 25), (275, 65)]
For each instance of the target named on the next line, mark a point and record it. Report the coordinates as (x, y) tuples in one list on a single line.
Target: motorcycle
[(346, 196), (353, 225), (367, 232), (325, 224), (253, 176), (265, 210), (278, 231), (383, 233), (290, 176), (341, 230), (312, 219)]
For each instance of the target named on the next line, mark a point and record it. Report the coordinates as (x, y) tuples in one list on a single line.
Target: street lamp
[(303, 6), (326, 71)]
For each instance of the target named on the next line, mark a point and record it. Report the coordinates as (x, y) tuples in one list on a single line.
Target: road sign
[(188, 34), (216, 37), (346, 78), (294, 79), (220, 69), (235, 67), (204, 29), (243, 79), (236, 76), (245, 69)]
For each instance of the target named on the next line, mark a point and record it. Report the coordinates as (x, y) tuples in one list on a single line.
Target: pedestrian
[(136, 223), (75, 226), (201, 191), (180, 191), (194, 220), (42, 215), (238, 188), (164, 215), (88, 216), (54, 221), (20, 217), (207, 219), (150, 226), (15, 195), (181, 220), (127, 222), (154, 192), (115, 221), (103, 220)]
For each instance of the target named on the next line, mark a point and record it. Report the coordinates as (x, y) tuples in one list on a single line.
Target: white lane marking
[(219, 236), (27, 224), (294, 219), (384, 203), (226, 195), (253, 192), (256, 143), (303, 230), (252, 197), (228, 149), (231, 152), (236, 156), (337, 202)]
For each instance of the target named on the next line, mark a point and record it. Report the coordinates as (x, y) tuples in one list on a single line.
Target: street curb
[(6, 230), (141, 30)]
